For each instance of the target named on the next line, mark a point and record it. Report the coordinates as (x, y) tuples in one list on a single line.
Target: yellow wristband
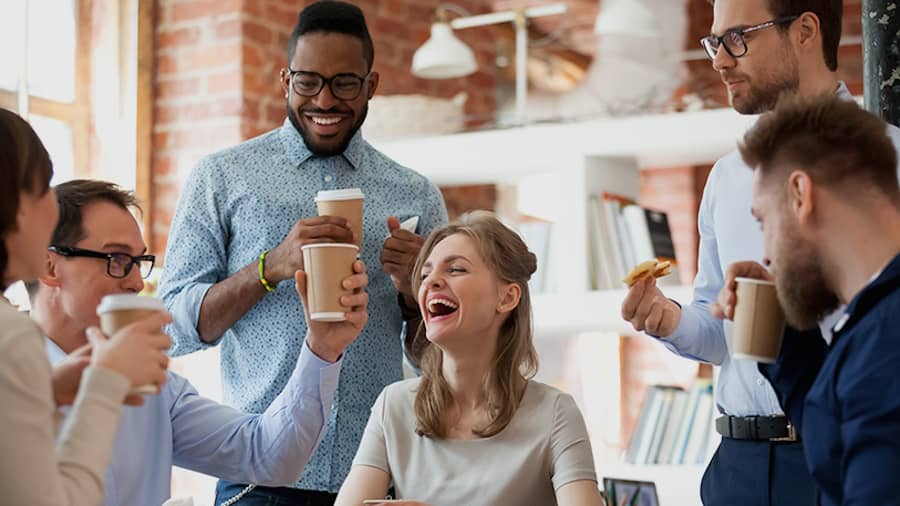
[(262, 272)]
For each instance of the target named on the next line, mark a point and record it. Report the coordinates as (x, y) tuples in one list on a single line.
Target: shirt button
[(327, 179), (760, 382)]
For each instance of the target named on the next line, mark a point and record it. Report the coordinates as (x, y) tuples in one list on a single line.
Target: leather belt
[(756, 428)]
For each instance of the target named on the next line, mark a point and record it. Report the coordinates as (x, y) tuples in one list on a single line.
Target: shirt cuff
[(185, 316), (318, 376), (687, 330)]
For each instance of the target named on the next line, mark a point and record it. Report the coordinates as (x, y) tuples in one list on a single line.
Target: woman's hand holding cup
[(136, 351)]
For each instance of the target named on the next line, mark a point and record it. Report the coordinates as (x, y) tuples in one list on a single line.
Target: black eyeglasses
[(733, 40), (342, 86), (118, 265)]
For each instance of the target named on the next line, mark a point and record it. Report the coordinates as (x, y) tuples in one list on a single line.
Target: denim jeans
[(272, 496)]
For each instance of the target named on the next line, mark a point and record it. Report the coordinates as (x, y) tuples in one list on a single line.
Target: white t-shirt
[(544, 447)]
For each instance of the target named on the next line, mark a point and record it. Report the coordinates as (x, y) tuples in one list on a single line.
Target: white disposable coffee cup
[(346, 203), (758, 321), (120, 310)]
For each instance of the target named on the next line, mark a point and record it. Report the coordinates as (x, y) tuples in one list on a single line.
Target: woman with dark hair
[(35, 469), (475, 428)]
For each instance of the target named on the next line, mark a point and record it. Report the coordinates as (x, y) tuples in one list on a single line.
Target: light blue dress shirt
[(245, 199), (179, 427), (728, 234)]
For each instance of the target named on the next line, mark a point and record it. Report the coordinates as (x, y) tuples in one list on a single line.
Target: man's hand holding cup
[(287, 258), (329, 339), (750, 299), (723, 308)]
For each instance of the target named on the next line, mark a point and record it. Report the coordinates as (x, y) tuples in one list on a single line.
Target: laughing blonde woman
[(474, 429)]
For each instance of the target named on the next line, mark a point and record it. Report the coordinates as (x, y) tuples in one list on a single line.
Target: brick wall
[(198, 95), (216, 76)]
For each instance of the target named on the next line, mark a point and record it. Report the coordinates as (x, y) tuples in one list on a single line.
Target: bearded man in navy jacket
[(825, 192)]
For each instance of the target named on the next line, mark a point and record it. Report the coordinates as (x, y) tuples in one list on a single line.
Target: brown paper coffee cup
[(326, 266), (758, 321), (118, 311), (348, 204)]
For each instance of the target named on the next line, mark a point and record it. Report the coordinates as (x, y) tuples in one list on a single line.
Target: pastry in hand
[(650, 268)]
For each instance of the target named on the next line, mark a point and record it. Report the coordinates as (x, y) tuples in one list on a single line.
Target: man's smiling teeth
[(331, 120)]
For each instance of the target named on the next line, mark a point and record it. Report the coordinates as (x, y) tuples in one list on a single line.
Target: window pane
[(57, 138), (12, 40), (51, 49)]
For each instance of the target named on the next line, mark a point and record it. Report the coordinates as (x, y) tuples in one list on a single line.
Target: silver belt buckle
[(792, 434)]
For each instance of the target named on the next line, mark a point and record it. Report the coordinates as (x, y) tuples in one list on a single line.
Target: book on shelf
[(623, 234), (674, 426)]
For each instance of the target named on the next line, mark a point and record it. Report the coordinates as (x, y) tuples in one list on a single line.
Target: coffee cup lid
[(345, 194), (754, 281), (129, 301), (329, 245)]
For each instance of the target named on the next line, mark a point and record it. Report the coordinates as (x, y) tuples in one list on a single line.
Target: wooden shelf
[(558, 314)]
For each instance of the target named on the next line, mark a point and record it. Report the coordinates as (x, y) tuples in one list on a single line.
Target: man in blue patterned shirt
[(258, 197)]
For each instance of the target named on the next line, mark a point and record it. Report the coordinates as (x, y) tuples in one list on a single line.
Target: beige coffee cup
[(758, 321), (117, 311), (326, 266), (347, 203)]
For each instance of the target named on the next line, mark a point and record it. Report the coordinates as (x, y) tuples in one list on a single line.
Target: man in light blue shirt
[(762, 49), (248, 209), (97, 250)]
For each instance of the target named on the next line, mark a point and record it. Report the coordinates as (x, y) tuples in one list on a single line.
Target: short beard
[(765, 96), (318, 149), (801, 285)]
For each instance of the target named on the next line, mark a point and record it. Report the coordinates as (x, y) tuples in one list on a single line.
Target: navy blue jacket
[(845, 399)]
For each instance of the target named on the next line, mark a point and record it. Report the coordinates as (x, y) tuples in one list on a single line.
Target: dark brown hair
[(833, 140), (830, 14), (74, 195), (24, 167), (516, 359)]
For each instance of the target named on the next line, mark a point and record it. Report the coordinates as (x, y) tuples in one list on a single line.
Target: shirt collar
[(296, 149), (883, 284), (54, 352), (843, 92)]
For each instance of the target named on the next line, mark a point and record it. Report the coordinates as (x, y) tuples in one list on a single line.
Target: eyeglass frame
[(73, 252), (327, 81), (740, 32)]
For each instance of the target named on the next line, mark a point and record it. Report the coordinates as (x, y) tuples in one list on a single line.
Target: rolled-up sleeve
[(195, 257)]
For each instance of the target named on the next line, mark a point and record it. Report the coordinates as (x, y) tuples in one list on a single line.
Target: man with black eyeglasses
[(764, 50), (97, 251), (243, 216)]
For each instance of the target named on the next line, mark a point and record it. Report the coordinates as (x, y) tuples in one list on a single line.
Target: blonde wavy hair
[(515, 361)]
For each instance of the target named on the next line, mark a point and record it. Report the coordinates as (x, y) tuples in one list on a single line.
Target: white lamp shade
[(443, 56), (626, 17)]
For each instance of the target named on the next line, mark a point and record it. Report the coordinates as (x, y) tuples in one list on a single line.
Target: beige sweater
[(36, 468)]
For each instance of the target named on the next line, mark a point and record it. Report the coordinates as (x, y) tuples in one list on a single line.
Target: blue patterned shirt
[(245, 199)]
